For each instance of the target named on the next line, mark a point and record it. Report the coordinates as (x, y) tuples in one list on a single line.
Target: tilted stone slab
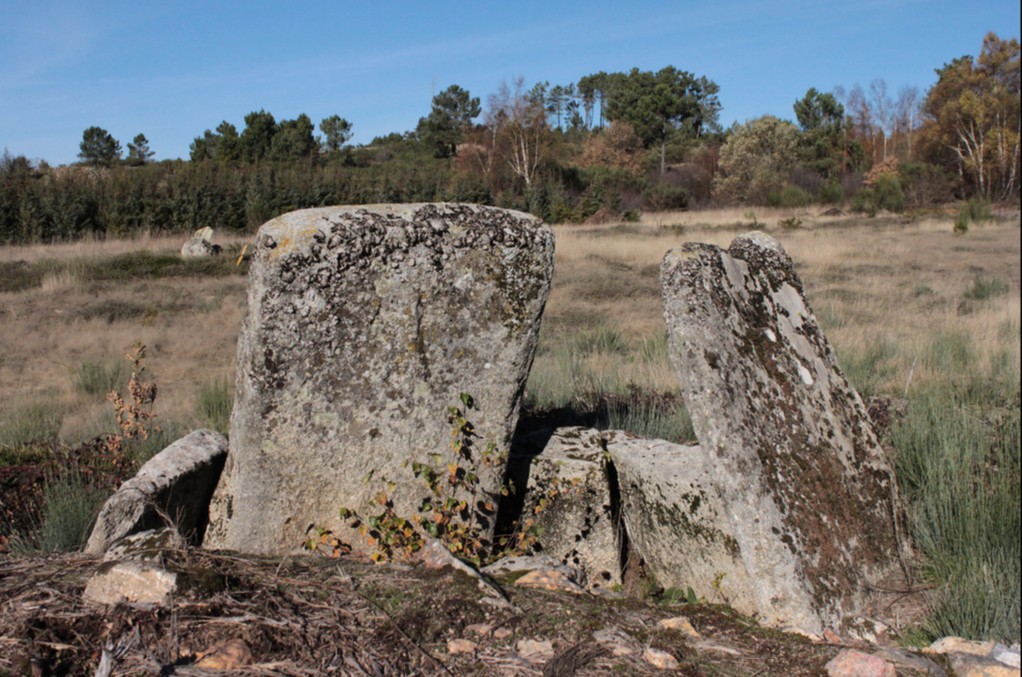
[(676, 519), (364, 324), (809, 491), (175, 484)]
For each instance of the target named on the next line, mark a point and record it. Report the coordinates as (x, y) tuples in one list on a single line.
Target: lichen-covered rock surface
[(364, 324), (677, 519), (570, 497), (808, 488), (175, 484)]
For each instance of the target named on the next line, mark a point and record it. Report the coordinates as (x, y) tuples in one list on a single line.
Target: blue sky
[(172, 69)]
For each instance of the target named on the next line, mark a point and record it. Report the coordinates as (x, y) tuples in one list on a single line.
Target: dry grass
[(90, 248), (870, 281)]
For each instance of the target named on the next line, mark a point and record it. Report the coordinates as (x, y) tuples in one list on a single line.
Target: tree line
[(611, 144)]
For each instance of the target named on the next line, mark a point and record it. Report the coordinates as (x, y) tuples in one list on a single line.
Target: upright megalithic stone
[(808, 488), (364, 324)]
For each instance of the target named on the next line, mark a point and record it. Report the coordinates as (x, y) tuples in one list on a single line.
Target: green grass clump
[(213, 405), (975, 210), (99, 378), (34, 424), (652, 418), (983, 289), (950, 353), (958, 465), (144, 264), (605, 340), (869, 369), (70, 507), (18, 276)]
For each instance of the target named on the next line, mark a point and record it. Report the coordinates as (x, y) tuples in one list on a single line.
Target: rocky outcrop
[(364, 325), (808, 491), (197, 248), (175, 485)]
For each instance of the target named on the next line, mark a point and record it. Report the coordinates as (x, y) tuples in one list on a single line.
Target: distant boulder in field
[(807, 487), (200, 245), (364, 325)]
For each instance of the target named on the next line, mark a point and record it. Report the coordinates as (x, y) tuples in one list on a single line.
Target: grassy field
[(913, 311)]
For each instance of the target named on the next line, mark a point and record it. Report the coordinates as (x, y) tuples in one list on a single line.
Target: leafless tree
[(520, 122)]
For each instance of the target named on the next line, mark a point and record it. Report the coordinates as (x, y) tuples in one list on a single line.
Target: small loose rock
[(459, 646), (660, 659), (549, 579), (535, 650), (852, 663), (681, 624)]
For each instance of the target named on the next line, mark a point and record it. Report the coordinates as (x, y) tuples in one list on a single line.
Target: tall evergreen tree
[(293, 139), (658, 105), (99, 148), (257, 138), (138, 151), (451, 116), (337, 132), (822, 144)]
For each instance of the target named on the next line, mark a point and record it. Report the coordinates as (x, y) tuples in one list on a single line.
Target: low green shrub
[(983, 288), (99, 378), (213, 404), (34, 424), (70, 506), (885, 194), (831, 193), (976, 210), (793, 196), (979, 210)]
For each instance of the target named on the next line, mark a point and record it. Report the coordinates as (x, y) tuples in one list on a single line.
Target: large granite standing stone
[(364, 324), (808, 489)]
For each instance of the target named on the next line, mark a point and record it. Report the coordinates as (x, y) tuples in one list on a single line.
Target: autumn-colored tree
[(973, 116), (756, 160), (615, 146)]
